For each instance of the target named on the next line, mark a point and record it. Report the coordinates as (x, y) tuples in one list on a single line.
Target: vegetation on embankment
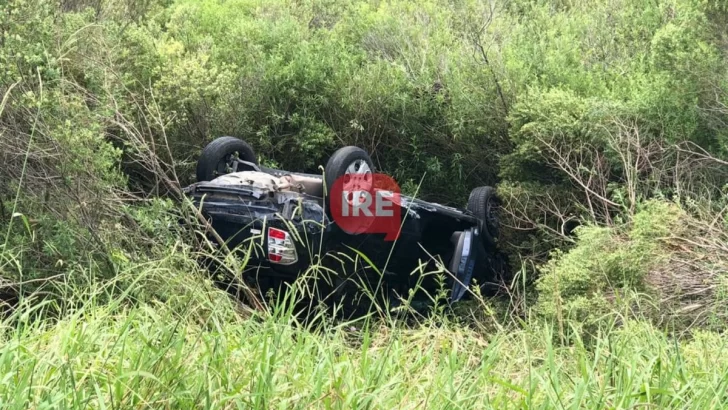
[(193, 351), (603, 125)]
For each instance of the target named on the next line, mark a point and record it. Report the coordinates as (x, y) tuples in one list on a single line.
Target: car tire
[(341, 160), (217, 155), (348, 160), (483, 203)]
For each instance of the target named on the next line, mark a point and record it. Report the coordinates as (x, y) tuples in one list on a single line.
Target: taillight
[(281, 249)]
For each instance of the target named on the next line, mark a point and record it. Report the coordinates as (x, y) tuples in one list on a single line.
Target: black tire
[(340, 161), (484, 203), (336, 168), (214, 158)]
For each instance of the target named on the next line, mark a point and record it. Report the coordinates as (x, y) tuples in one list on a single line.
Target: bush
[(636, 267)]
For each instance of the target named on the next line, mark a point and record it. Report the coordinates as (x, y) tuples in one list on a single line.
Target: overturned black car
[(283, 222)]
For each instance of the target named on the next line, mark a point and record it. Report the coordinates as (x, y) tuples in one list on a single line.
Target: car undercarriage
[(283, 223)]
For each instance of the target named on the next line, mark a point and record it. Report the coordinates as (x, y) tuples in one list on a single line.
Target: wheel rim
[(357, 181), (358, 167), (227, 164)]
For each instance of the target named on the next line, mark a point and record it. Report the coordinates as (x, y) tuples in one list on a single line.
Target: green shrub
[(607, 266)]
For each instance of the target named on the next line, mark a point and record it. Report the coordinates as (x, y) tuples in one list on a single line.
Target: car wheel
[(483, 203), (349, 161), (355, 167), (218, 157)]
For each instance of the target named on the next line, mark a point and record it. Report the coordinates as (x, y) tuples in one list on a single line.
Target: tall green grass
[(196, 349)]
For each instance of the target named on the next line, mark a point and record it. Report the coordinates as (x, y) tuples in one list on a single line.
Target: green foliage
[(27, 27), (298, 81), (194, 350), (573, 107), (606, 266), (587, 69), (547, 121), (409, 82)]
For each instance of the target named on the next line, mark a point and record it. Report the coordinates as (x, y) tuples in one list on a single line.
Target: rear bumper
[(242, 216)]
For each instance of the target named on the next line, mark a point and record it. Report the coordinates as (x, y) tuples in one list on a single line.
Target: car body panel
[(240, 210)]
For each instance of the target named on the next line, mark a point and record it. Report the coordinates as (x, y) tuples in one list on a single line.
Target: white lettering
[(384, 199)]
